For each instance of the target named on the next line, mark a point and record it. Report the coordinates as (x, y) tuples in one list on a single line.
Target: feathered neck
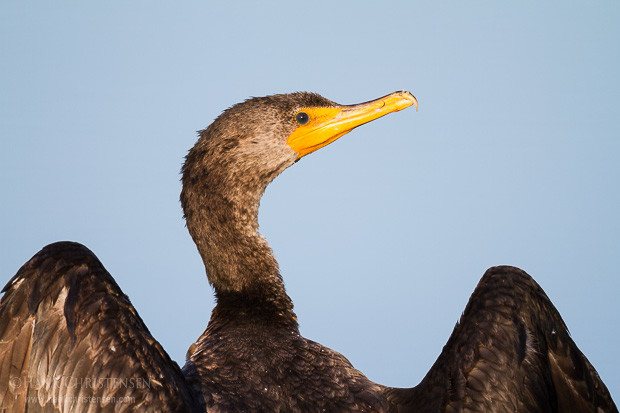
[(220, 205)]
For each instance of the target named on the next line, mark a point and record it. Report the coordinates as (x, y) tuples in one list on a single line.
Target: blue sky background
[(382, 236)]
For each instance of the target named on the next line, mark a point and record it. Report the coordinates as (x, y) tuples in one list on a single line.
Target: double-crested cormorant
[(70, 340)]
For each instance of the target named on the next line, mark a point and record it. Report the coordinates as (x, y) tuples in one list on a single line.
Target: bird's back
[(255, 368)]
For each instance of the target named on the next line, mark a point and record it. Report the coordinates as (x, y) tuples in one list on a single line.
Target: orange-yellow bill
[(326, 124)]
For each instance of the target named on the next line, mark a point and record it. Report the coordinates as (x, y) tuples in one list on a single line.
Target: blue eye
[(302, 118)]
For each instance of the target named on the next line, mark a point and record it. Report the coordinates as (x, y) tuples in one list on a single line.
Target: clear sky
[(382, 236)]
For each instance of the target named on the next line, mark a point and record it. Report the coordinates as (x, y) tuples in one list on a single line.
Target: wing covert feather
[(71, 341), (510, 352)]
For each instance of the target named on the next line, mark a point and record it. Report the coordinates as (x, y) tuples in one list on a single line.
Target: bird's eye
[(302, 118)]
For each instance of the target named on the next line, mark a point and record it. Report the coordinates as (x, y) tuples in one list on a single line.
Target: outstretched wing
[(510, 352), (70, 341)]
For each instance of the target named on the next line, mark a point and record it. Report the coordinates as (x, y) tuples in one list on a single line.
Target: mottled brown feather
[(54, 348)]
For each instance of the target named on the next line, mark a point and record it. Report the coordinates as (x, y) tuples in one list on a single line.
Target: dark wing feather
[(510, 352), (70, 340)]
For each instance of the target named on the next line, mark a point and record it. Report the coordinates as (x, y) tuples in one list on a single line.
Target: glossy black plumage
[(510, 352), (63, 317)]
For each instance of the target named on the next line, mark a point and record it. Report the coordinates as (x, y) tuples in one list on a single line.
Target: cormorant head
[(249, 144)]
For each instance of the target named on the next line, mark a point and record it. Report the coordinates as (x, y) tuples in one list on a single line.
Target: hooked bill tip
[(410, 98)]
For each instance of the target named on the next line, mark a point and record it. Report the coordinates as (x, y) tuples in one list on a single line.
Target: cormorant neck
[(222, 219)]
